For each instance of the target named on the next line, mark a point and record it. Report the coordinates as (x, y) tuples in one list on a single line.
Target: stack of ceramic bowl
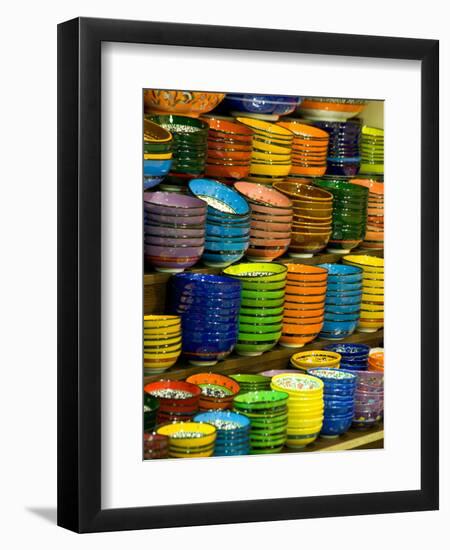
[(269, 238), (261, 313), (155, 446), (178, 401), (209, 310), (263, 107), (190, 137), (251, 382), (311, 225), (372, 150), (151, 407), (305, 360), (376, 361), (218, 391), (372, 302), (180, 102), (267, 411), (349, 214), (271, 153), (343, 149), (305, 407), (374, 236), (227, 222), (354, 356), (343, 301), (157, 153), (190, 439), (330, 109), (369, 399), (309, 149), (229, 149), (339, 400), (174, 230), (233, 432), (162, 342), (304, 304)]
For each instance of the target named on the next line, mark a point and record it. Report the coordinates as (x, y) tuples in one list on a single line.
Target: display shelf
[(353, 439), (155, 282), (278, 358)]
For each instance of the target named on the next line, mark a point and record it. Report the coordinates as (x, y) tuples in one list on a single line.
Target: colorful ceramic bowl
[(192, 104), (265, 107), (330, 109)]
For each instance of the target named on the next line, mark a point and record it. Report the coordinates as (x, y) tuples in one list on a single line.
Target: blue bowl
[(221, 260), (199, 315), (338, 329), (336, 425), (344, 410), (204, 279), (342, 301), (353, 350), (157, 167), (261, 104), (218, 230), (152, 181), (232, 452), (226, 416), (206, 188), (224, 447), (354, 367), (339, 273), (226, 246), (228, 220), (341, 316), (348, 294), (208, 346), (343, 287)]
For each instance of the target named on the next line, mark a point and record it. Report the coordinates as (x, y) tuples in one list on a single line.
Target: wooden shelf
[(155, 282), (278, 358), (353, 439)]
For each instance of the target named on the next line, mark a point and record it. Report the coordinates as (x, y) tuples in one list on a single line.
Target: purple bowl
[(175, 243), (167, 211), (175, 201), (155, 251), (176, 221), (173, 232)]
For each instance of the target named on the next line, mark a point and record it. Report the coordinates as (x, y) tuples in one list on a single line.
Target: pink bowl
[(270, 226), (273, 211), (262, 195), (167, 252)]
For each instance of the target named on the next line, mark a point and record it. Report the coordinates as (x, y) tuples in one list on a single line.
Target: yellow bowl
[(161, 355), (372, 315), (316, 358), (373, 283), (203, 454), (370, 264), (377, 298), (269, 157), (208, 432), (261, 126), (268, 147), (161, 351), (315, 390), (378, 291), (157, 156), (370, 325), (373, 307), (300, 443), (161, 342), (158, 321), (269, 169), (163, 333), (311, 429)]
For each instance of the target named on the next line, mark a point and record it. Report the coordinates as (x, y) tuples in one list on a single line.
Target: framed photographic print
[(233, 269)]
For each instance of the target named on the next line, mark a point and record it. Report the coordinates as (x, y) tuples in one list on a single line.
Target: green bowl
[(259, 329), (272, 429), (261, 423), (254, 349), (257, 271), (263, 294), (341, 187), (177, 124), (268, 442), (258, 320), (266, 399), (274, 414), (257, 284), (251, 337), (246, 302), (153, 148), (270, 450), (261, 312), (249, 378)]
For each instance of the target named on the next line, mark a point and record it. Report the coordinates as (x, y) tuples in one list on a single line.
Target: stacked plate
[(331, 109), (304, 304), (180, 102), (209, 309), (311, 225), (251, 382), (155, 446), (162, 342), (263, 107), (190, 137), (174, 230), (233, 432), (305, 360), (372, 301), (376, 361), (178, 401), (369, 399), (343, 149), (349, 214), (227, 222), (269, 237), (271, 153), (354, 356), (372, 150), (218, 391), (229, 149), (151, 406), (374, 236), (305, 407), (339, 400), (309, 149), (190, 439), (267, 411), (343, 301), (261, 313), (157, 153)]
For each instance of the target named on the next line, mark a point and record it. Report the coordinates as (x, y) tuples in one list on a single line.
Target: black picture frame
[(79, 274)]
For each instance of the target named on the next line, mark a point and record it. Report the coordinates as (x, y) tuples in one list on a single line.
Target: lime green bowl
[(261, 312), (266, 399), (254, 349), (251, 337), (257, 271), (262, 294), (257, 284), (250, 302), (260, 320), (259, 329)]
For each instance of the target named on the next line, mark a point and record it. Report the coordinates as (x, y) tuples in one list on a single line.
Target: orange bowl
[(178, 102), (294, 329)]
